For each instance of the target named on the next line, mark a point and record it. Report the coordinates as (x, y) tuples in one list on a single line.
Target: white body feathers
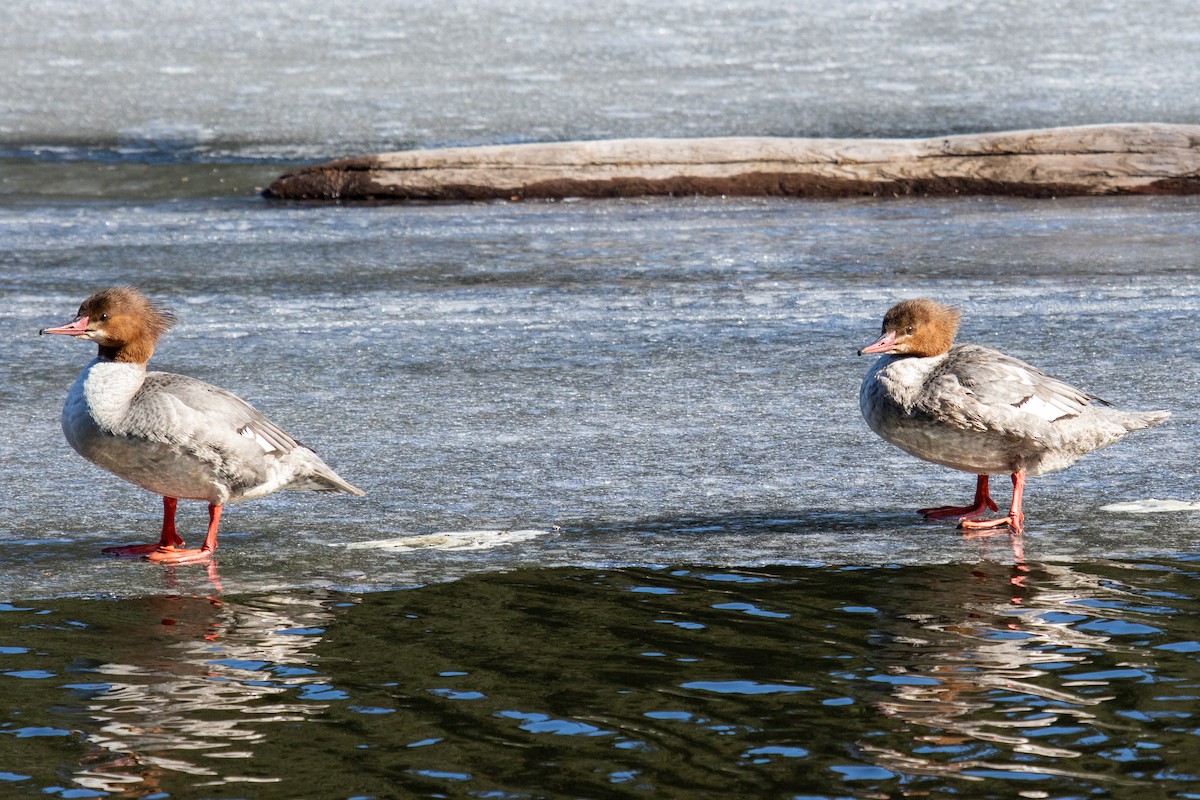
[(180, 437), (977, 410)]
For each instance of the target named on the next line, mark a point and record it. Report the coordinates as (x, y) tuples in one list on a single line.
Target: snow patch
[(452, 540), (1150, 506)]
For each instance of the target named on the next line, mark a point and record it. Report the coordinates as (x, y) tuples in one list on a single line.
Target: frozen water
[(306, 79), (651, 382), (648, 382)]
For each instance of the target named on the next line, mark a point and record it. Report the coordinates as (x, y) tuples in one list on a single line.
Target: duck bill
[(77, 327), (884, 344)]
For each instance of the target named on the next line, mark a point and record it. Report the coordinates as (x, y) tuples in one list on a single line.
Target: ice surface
[(655, 382), (306, 79), (664, 382)]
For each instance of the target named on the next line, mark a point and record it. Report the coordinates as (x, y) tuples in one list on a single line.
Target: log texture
[(1087, 160)]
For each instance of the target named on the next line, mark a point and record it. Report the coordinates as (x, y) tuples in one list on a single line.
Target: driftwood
[(1088, 160)]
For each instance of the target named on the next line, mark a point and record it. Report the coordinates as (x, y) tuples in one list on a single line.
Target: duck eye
[(909, 331), (104, 317)]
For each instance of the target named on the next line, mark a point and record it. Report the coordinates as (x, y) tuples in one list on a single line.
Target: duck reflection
[(1016, 541), (986, 692), (196, 678)]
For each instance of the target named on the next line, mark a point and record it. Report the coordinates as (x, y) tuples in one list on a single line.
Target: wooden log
[(1086, 160)]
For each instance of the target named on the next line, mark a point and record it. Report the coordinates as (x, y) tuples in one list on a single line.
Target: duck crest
[(926, 327), (131, 323)]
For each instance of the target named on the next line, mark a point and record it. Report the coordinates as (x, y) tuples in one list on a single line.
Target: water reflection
[(993, 674), (1016, 542), (190, 684), (999, 682), (990, 678)]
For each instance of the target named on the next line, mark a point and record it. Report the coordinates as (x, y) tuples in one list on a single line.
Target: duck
[(173, 435), (975, 409)]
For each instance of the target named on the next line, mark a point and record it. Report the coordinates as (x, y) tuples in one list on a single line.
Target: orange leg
[(979, 507), (1016, 516), (167, 540), (175, 555)]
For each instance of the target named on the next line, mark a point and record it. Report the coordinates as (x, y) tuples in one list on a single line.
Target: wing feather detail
[(982, 389), (193, 404)]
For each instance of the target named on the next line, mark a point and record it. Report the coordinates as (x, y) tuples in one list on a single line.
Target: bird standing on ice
[(975, 409), (174, 435)]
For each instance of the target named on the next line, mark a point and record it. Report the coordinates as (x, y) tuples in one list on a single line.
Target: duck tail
[(332, 482), (1136, 420), (310, 474)]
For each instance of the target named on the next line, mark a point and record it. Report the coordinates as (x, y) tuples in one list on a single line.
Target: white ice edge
[(452, 540), (1150, 506)]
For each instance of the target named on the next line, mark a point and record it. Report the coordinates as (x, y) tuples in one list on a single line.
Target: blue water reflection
[(540, 683)]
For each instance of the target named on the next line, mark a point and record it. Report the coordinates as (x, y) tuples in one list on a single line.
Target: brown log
[(1087, 160)]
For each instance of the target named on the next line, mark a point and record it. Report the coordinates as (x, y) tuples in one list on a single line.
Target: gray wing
[(175, 408), (984, 389)]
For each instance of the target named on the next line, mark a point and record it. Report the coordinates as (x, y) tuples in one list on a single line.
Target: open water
[(626, 533)]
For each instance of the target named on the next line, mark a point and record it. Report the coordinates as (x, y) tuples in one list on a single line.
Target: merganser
[(173, 435), (975, 409)]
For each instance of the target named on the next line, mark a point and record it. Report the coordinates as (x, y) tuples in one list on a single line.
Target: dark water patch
[(951, 680), (96, 176)]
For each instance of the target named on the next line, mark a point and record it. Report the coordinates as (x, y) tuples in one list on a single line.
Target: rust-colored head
[(916, 328), (122, 321)]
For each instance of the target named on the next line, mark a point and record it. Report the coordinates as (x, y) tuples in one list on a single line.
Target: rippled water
[(625, 533), (952, 680)]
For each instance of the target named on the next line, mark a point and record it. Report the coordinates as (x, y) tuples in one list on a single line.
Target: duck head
[(921, 328), (122, 321)]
